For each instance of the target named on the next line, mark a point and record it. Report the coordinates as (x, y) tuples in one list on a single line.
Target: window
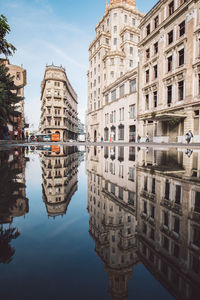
[(112, 74), (131, 63), (121, 153), (165, 219), (107, 41), (146, 183), (131, 174), (130, 197), (113, 95), (115, 29), (131, 50), (198, 83), (176, 251), (18, 76), (145, 207), (178, 194), (167, 189), (125, 18), (152, 212), (133, 85), (169, 94), (112, 61), (156, 48), (146, 102), (153, 186), (121, 114), (121, 132), (152, 234), (121, 91), (133, 21), (181, 57), (182, 28), (180, 90), (155, 68), (147, 76), (112, 189), (131, 153), (155, 98), (131, 36), (171, 8), (169, 63), (170, 37), (148, 29), (196, 236), (156, 21), (148, 53), (121, 193), (115, 41), (132, 111), (197, 202), (176, 225), (107, 98)]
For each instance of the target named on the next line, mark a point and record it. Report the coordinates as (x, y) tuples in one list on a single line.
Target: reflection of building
[(112, 209), (13, 201), (59, 104), (59, 171), (19, 76), (169, 219), (144, 206), (112, 83), (170, 71)]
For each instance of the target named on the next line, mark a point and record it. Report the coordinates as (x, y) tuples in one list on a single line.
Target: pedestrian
[(23, 137), (15, 134), (147, 138), (189, 136), (26, 136)]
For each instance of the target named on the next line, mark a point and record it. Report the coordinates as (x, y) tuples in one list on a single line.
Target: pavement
[(8, 144)]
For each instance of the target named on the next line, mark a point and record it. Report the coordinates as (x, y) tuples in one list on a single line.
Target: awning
[(168, 117)]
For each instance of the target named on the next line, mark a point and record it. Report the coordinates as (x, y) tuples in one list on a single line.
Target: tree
[(5, 47), (8, 96)]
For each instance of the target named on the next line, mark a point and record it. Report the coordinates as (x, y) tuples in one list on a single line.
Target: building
[(17, 123), (168, 229), (59, 104), (60, 179), (144, 208), (170, 71), (113, 72)]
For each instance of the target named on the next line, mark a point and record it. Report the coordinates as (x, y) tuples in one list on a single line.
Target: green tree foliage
[(8, 96), (5, 47)]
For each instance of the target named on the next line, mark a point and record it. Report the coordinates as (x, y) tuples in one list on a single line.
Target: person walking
[(15, 134), (26, 136), (189, 136)]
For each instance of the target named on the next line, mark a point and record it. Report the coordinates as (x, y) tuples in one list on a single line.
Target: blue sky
[(46, 31)]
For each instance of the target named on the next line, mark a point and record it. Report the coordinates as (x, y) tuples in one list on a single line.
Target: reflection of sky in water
[(55, 258)]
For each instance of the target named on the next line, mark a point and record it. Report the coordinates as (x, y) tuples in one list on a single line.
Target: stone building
[(168, 213), (59, 104), (113, 72), (19, 76), (170, 71), (60, 179), (112, 210)]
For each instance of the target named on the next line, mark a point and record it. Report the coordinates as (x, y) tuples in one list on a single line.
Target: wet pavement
[(99, 222)]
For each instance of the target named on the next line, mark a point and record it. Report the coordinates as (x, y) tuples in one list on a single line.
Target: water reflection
[(13, 201), (144, 207), (59, 178)]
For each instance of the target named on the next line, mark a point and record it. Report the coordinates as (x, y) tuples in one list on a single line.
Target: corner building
[(170, 71), (59, 104), (112, 75)]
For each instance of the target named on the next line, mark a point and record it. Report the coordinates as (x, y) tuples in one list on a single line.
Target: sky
[(58, 31)]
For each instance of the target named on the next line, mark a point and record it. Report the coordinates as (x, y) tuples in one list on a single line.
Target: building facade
[(19, 76), (170, 71), (60, 179), (59, 104), (113, 72)]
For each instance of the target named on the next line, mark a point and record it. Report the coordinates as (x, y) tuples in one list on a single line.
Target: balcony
[(194, 216), (148, 196)]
